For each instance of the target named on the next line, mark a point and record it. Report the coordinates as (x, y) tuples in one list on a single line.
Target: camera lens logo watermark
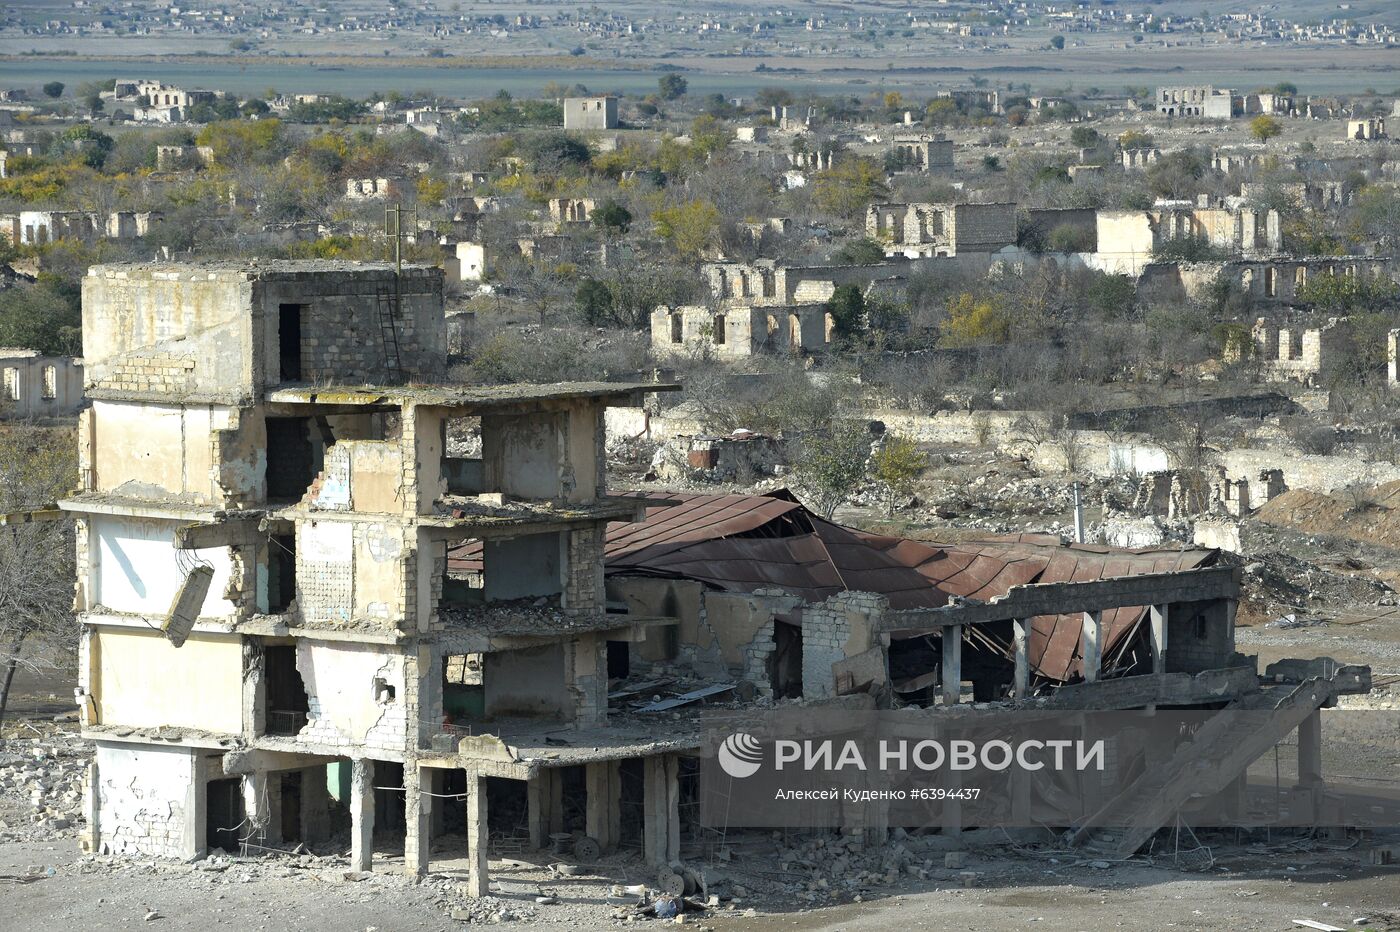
[(740, 755)]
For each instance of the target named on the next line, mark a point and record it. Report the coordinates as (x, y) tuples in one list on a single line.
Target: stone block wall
[(836, 629)]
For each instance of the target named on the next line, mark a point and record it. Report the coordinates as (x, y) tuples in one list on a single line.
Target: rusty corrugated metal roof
[(746, 542)]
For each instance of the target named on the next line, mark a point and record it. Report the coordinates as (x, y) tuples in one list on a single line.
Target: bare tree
[(36, 557)]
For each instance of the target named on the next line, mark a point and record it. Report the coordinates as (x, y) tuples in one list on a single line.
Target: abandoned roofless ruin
[(320, 589)]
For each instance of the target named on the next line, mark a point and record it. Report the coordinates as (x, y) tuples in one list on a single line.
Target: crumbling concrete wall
[(211, 332), (126, 576), (150, 800), (837, 629), (198, 685), (528, 682), (358, 696)]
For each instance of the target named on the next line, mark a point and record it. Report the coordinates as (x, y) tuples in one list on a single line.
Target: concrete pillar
[(91, 838), (361, 815), (439, 809), (1157, 620), (1091, 645), (661, 829), (194, 837), (262, 809), (315, 805), (537, 806), (603, 812), (478, 880), (1021, 640), (418, 818), (952, 664), (1310, 751)]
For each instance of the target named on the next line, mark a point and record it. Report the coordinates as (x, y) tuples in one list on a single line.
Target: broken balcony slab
[(478, 518), (470, 399), (109, 503)]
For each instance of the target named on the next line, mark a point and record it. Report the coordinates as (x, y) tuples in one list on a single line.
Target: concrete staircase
[(1219, 752)]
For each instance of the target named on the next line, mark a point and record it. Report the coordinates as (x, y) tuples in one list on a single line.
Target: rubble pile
[(47, 773)]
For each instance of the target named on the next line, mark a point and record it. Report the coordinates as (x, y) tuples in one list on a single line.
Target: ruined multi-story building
[(272, 646), (1199, 101), (739, 330), (1130, 239), (920, 152), (919, 230)]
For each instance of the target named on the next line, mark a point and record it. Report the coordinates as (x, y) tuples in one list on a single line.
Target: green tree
[(897, 465), (832, 465), (45, 316), (612, 217), (1057, 42), (1084, 137), (593, 301), (672, 86), (53, 89), (847, 309), (863, 251)]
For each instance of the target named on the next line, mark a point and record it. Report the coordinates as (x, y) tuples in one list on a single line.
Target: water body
[(244, 77)]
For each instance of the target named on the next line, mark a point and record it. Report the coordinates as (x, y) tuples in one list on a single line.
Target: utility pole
[(393, 226)]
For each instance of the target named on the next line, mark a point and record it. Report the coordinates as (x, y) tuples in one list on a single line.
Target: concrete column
[(91, 839), (1157, 619), (262, 805), (478, 881), (661, 841), (362, 815), (1091, 645), (603, 812), (1021, 639), (439, 808), (315, 805), (537, 803), (555, 800), (418, 818), (952, 664), (194, 839), (1310, 751)]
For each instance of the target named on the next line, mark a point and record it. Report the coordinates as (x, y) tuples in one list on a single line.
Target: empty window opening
[(507, 808), (677, 329), (1202, 629), (463, 692), (384, 691), (785, 663), (50, 390), (287, 702), (281, 572), (719, 330), (291, 458), (11, 384), (223, 814), (289, 321)]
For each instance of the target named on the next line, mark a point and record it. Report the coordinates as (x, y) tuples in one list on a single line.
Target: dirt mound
[(1370, 514)]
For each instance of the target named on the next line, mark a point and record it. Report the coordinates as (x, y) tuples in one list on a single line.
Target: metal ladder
[(388, 302)]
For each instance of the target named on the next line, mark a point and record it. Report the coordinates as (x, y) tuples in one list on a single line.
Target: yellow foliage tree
[(974, 321), (849, 186), (691, 228)]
